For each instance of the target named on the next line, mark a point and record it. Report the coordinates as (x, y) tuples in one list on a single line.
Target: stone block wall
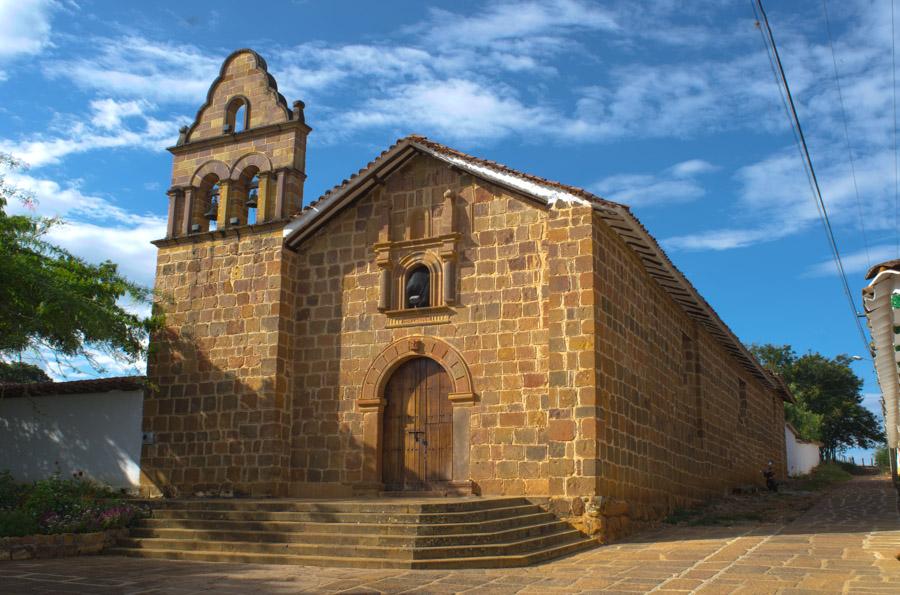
[(244, 74), (221, 408), (527, 437), (676, 423)]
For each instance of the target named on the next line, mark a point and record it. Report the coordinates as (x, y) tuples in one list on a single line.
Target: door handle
[(416, 434)]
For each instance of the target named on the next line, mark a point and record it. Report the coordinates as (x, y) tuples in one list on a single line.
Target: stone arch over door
[(371, 403)]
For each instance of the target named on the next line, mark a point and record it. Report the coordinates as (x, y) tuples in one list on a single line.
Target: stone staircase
[(385, 533)]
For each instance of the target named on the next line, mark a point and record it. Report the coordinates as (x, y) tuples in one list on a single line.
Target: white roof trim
[(634, 235), (549, 194)]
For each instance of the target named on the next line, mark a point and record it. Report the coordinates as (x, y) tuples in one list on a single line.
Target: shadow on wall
[(229, 432), (97, 433)]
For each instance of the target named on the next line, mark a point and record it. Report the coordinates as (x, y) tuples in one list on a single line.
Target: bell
[(212, 213), (251, 199)]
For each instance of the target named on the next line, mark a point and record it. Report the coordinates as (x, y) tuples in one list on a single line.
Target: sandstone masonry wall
[(221, 408), (674, 427), (513, 323)]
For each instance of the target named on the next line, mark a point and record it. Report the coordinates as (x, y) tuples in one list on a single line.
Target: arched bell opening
[(208, 199)]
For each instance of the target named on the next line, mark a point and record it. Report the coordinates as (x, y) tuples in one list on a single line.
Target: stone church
[(436, 323)]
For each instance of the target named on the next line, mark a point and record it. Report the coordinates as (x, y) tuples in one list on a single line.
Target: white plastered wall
[(98, 433), (802, 456)]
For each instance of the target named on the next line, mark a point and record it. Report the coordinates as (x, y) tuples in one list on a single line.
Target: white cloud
[(127, 245), (857, 262), (516, 20), (24, 27), (775, 201), (105, 131), (313, 67), (722, 239), (692, 167), (675, 184), (137, 67), (54, 200), (94, 227), (455, 108), (108, 113)]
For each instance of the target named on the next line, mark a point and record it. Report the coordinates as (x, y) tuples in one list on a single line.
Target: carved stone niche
[(436, 254)]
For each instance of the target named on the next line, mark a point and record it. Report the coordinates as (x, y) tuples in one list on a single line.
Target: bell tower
[(218, 420), (243, 160)]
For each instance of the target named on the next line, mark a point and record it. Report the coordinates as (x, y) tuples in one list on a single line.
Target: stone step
[(390, 533), (363, 539), (507, 561), (376, 516), (340, 550), (409, 528), (397, 505)]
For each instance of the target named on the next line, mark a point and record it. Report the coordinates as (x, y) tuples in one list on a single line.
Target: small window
[(237, 116), (240, 118), (418, 288)]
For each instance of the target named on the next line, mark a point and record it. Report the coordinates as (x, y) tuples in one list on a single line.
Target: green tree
[(883, 458), (21, 372), (53, 300), (829, 398)]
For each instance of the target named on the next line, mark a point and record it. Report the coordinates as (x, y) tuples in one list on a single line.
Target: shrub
[(17, 523), (10, 491), (57, 505)]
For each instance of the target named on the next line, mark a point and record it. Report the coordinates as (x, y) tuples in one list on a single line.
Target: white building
[(881, 300), (802, 456)]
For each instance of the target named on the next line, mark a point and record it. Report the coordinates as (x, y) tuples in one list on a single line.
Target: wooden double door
[(418, 425)]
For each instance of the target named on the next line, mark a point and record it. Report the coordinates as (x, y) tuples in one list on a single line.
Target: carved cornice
[(204, 236)]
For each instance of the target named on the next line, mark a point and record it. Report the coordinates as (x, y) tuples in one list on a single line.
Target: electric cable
[(837, 82), (808, 164)]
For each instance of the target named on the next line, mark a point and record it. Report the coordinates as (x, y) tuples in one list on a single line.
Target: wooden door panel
[(417, 439)]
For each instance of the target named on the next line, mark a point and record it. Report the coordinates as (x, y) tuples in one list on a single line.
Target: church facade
[(436, 323)]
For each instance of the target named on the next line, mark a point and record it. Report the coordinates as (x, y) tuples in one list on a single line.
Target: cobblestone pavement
[(846, 543)]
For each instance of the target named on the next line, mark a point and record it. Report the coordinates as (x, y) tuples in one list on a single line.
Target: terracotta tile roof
[(617, 215), (74, 387)]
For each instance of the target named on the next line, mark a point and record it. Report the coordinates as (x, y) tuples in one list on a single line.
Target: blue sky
[(667, 106)]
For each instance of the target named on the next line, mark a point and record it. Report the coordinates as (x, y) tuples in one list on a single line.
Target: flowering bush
[(56, 505)]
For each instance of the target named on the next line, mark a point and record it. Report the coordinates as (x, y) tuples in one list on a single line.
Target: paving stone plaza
[(846, 543)]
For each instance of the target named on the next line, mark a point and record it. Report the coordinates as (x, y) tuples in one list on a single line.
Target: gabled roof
[(618, 216)]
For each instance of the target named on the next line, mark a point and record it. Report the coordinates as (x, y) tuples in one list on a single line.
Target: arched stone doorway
[(387, 376), (418, 424)]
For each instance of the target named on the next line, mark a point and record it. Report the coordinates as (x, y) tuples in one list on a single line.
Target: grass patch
[(823, 476), (682, 515)]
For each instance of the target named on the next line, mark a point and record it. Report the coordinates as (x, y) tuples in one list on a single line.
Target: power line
[(896, 158), (808, 164), (837, 81)]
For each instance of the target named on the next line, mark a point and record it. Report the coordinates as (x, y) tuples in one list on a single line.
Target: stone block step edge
[(425, 552), (437, 564), (313, 537)]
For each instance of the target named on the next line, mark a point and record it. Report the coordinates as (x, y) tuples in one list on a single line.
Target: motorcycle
[(769, 474)]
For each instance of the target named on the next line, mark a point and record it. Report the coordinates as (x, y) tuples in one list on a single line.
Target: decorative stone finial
[(182, 136), (298, 111)]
